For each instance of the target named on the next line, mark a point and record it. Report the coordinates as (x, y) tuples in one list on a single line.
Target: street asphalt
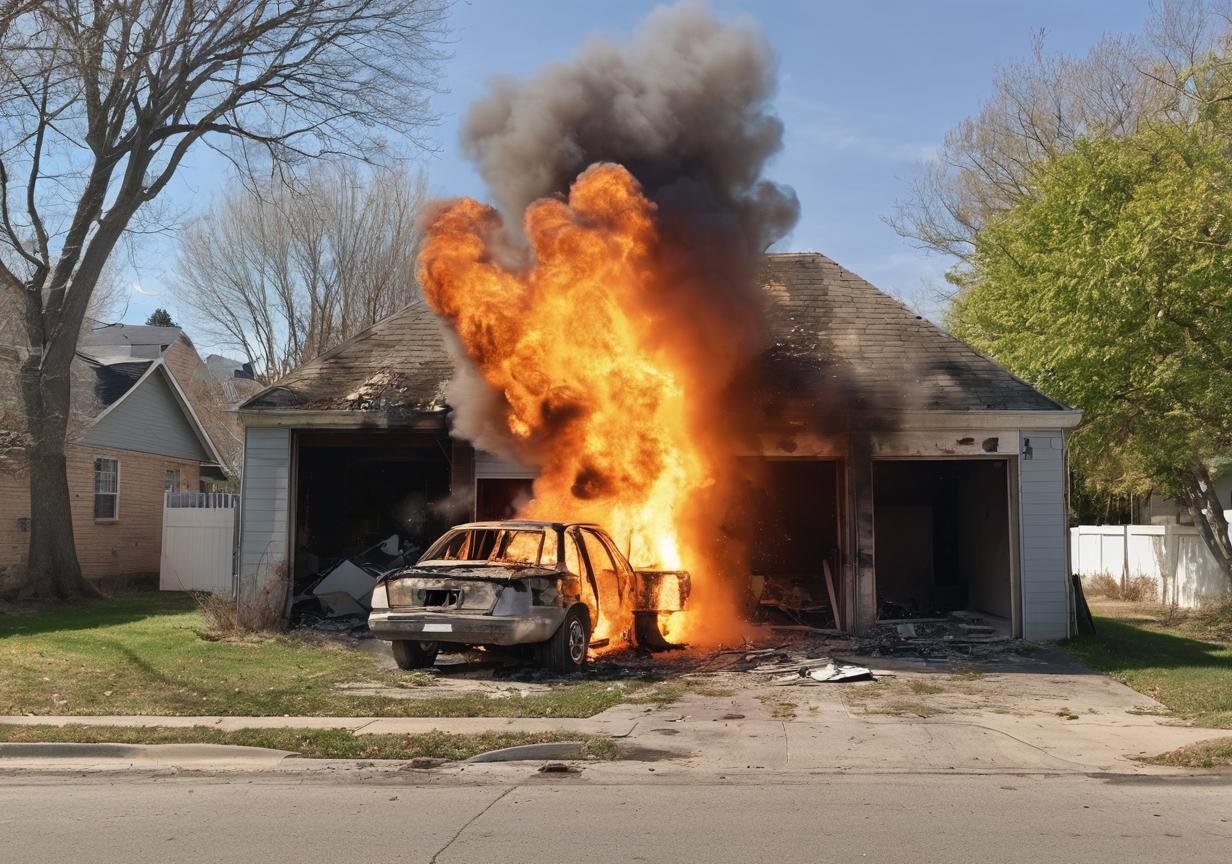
[(521, 815)]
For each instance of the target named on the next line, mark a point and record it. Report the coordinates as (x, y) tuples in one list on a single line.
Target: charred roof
[(835, 340)]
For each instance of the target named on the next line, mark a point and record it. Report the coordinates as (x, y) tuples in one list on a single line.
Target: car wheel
[(410, 654), (566, 650)]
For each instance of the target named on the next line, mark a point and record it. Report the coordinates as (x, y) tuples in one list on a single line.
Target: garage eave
[(295, 418), (1062, 419)]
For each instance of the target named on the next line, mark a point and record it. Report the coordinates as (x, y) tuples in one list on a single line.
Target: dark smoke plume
[(685, 107)]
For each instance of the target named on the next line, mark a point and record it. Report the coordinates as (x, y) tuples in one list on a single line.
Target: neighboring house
[(1162, 510), (135, 434), (235, 377), (136, 437), (920, 471)]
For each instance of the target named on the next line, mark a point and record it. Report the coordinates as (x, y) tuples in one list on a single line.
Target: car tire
[(412, 654), (566, 650)]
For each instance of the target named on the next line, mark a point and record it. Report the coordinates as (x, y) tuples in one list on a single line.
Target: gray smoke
[(685, 107)]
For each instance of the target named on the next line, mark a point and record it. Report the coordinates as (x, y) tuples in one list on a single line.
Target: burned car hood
[(473, 572)]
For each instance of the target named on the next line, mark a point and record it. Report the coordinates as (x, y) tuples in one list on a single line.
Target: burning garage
[(956, 501), (611, 345)]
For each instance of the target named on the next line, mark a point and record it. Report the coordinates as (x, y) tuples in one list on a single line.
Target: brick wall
[(132, 543)]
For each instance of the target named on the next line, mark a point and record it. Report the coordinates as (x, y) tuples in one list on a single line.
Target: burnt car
[(547, 585)]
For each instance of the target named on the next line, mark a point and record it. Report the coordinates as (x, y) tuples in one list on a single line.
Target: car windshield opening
[(495, 545)]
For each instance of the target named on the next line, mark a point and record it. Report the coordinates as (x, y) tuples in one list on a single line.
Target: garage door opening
[(793, 508), (500, 498), (942, 538), (354, 491)]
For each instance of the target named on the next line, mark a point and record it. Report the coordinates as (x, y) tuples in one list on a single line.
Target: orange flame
[(571, 336)]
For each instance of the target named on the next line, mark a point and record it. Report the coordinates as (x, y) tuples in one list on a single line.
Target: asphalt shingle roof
[(836, 332), (835, 340), (399, 365)]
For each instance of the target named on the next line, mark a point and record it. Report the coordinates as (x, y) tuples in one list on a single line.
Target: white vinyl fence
[(199, 531), (1174, 557)]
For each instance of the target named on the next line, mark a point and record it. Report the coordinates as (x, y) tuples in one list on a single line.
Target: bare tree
[(99, 105), (284, 274), (1041, 106)]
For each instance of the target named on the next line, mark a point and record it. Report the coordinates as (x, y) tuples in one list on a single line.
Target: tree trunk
[(52, 569), (1206, 510)]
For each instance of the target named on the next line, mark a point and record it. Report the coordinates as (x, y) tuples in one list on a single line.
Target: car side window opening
[(624, 569), (520, 546), (573, 558)]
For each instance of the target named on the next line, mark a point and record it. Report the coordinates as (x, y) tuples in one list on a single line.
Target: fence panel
[(1174, 557), (199, 531)]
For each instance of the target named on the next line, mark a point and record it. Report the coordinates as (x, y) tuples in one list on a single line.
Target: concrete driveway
[(1043, 712)]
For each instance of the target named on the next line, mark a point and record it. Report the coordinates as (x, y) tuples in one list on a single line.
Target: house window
[(106, 488), (171, 480)]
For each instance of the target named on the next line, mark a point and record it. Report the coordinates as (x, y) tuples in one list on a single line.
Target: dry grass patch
[(780, 709), (313, 743), (1216, 753)]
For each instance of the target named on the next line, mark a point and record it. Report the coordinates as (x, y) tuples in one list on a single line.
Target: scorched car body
[(520, 582)]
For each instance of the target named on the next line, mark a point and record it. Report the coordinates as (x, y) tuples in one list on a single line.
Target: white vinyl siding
[(1041, 509), (106, 489), (265, 502)]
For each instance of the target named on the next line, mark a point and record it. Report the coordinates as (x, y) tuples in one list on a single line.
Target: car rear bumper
[(465, 629)]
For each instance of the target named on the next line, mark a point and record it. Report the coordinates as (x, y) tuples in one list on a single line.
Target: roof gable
[(153, 416)]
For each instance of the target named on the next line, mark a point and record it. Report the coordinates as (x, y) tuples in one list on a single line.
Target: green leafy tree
[(160, 317), (1109, 284)]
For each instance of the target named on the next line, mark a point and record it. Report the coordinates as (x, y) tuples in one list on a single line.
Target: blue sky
[(867, 92)]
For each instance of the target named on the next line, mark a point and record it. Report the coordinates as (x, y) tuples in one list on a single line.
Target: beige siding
[(131, 544)]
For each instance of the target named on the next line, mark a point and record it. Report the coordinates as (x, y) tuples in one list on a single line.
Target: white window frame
[(179, 479), (115, 517)]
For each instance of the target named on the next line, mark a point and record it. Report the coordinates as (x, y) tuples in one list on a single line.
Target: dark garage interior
[(942, 537), (793, 505), (355, 490)]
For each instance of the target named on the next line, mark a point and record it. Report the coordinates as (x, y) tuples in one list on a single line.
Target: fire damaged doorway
[(942, 538), (795, 510), (356, 490)]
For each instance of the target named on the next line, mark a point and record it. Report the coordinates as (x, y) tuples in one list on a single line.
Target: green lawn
[(1193, 677), (150, 654), (314, 743)]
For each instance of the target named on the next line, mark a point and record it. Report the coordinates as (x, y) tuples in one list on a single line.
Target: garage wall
[(489, 466), (265, 497), (1041, 513)]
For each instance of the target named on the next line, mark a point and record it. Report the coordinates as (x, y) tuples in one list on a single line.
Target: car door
[(577, 564), (608, 577)]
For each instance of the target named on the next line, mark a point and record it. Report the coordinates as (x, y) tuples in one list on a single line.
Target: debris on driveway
[(838, 671), (340, 598)]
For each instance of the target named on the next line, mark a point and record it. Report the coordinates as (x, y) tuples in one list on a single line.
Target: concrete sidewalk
[(830, 728)]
